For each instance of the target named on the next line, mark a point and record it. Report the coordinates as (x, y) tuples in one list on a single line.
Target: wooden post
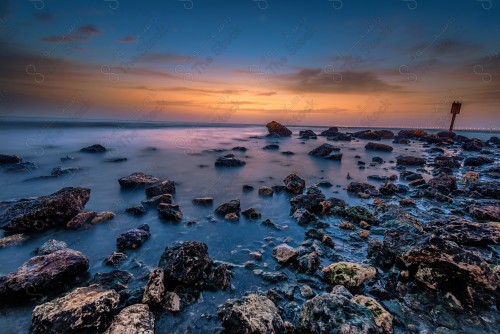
[(455, 109)]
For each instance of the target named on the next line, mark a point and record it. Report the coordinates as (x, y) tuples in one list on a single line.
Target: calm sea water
[(180, 151)]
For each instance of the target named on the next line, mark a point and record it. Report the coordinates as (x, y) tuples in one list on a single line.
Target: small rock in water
[(294, 184), (102, 216), (133, 319), (81, 220), (134, 238), (307, 292), (13, 240), (348, 274), (274, 276), (287, 153), (97, 148), (136, 210), (278, 129), (410, 161), (378, 147), (115, 259), (156, 200), (164, 187), (284, 253), (50, 246), (203, 201), (9, 159), (229, 161), (251, 214), (232, 217), (118, 159), (240, 148), (269, 223), (170, 212), (271, 147), (138, 179), (228, 207), (266, 191), (247, 187)]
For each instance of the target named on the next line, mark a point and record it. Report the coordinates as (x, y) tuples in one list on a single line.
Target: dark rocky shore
[(429, 248)]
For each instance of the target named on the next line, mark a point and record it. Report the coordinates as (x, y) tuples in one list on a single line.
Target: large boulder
[(138, 179), (164, 187), (43, 274), (278, 129), (348, 274), (185, 263), (251, 314), (37, 214), (84, 310), (378, 147), (133, 238), (336, 314), (134, 319), (294, 184)]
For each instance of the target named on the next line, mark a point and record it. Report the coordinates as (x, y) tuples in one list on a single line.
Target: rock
[(383, 319), (309, 263), (410, 176), (335, 314), (229, 161), (50, 246), (266, 191), (378, 147), (250, 314), (164, 187), (307, 292), (307, 134), (385, 134), (310, 201), (133, 238), (364, 234), (349, 274), (412, 134), (303, 216), (81, 220), (278, 129), (361, 187), (251, 214), (445, 184), (401, 141), (154, 293), (444, 161), (324, 184), (341, 290), (102, 216), (138, 179), (269, 223), (232, 217), (294, 184), (334, 156), (489, 189), (185, 263), (97, 148), (323, 151), (219, 278), (332, 131), (287, 153), (366, 134), (271, 147), (407, 202), (358, 213), (84, 310), (284, 253), (339, 136), (274, 276), (136, 210), (474, 145), (37, 214), (13, 240), (115, 259), (346, 226), (117, 159), (203, 201), (172, 302), (116, 280), (477, 161), (133, 319), (9, 159), (157, 200), (486, 212), (410, 161), (228, 207), (171, 212), (388, 189), (239, 148), (247, 187), (391, 215), (43, 274)]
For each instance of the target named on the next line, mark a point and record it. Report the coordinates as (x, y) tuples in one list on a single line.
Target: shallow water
[(180, 151)]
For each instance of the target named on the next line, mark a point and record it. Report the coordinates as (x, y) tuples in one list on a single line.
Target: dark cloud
[(43, 16), (127, 39)]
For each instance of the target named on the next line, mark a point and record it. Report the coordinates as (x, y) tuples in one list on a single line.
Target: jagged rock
[(378, 147), (474, 145), (250, 314), (43, 274), (294, 184), (138, 179), (303, 216), (136, 210), (134, 319), (229, 161), (361, 187), (96, 148), (50, 246), (164, 187), (9, 159), (274, 276), (383, 319), (332, 131), (154, 293), (133, 238), (251, 213), (170, 212), (172, 302), (335, 314), (388, 189), (348, 274), (284, 253), (102, 216), (203, 201), (487, 188), (443, 183), (13, 240), (307, 134), (278, 129), (411, 176), (269, 223), (444, 161), (219, 278), (116, 280), (358, 213), (477, 161), (410, 161), (346, 226), (228, 207), (309, 263), (407, 202), (37, 214), (156, 200), (84, 310), (81, 220), (266, 191), (486, 212), (310, 201), (115, 259), (185, 263)]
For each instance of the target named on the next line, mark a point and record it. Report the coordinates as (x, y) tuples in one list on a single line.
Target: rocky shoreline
[(423, 270)]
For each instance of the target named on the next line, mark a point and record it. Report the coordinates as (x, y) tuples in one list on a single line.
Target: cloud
[(82, 34), (165, 58), (266, 93), (446, 47), (127, 39), (319, 81), (88, 30)]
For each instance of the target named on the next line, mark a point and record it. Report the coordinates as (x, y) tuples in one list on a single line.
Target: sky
[(398, 63)]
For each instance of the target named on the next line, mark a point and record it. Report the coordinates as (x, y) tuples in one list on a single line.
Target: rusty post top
[(455, 107)]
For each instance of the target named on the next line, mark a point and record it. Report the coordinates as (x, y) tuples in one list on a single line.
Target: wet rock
[(50, 246), (185, 263), (133, 238), (383, 319), (366, 134), (136, 210), (228, 207), (294, 184), (309, 263), (43, 274), (474, 145), (157, 200), (287, 153), (271, 147), (102, 216), (172, 302), (60, 171), (154, 293), (203, 201), (412, 134), (307, 292), (411, 176), (116, 280), (444, 161), (445, 184), (232, 217), (341, 290), (164, 187), (323, 151), (407, 202), (266, 191), (251, 214), (278, 129), (9, 159), (270, 224), (334, 156), (339, 137), (361, 187), (401, 141), (349, 274), (81, 220), (247, 187), (239, 148), (37, 214), (310, 201), (494, 141), (250, 314), (487, 189), (324, 184), (486, 212), (117, 159), (84, 310), (284, 253), (392, 215), (115, 259), (274, 276), (364, 234), (335, 314), (332, 131), (219, 278), (346, 226), (133, 319), (97, 148), (307, 134), (303, 216), (477, 161), (378, 147), (410, 161), (358, 213), (13, 240), (138, 179), (171, 212)]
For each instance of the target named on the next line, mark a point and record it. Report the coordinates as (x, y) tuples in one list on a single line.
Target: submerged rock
[(96, 148), (138, 179), (164, 187), (250, 314), (445, 184), (307, 134), (9, 159), (323, 151), (233, 206), (84, 310), (156, 200), (489, 189), (271, 147), (134, 319), (42, 274), (303, 216), (116, 279), (203, 201), (251, 214), (136, 210), (115, 259), (474, 145), (444, 161), (170, 212), (294, 184), (133, 238), (266, 191), (276, 128), (34, 215), (378, 147), (348, 274), (229, 161)]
